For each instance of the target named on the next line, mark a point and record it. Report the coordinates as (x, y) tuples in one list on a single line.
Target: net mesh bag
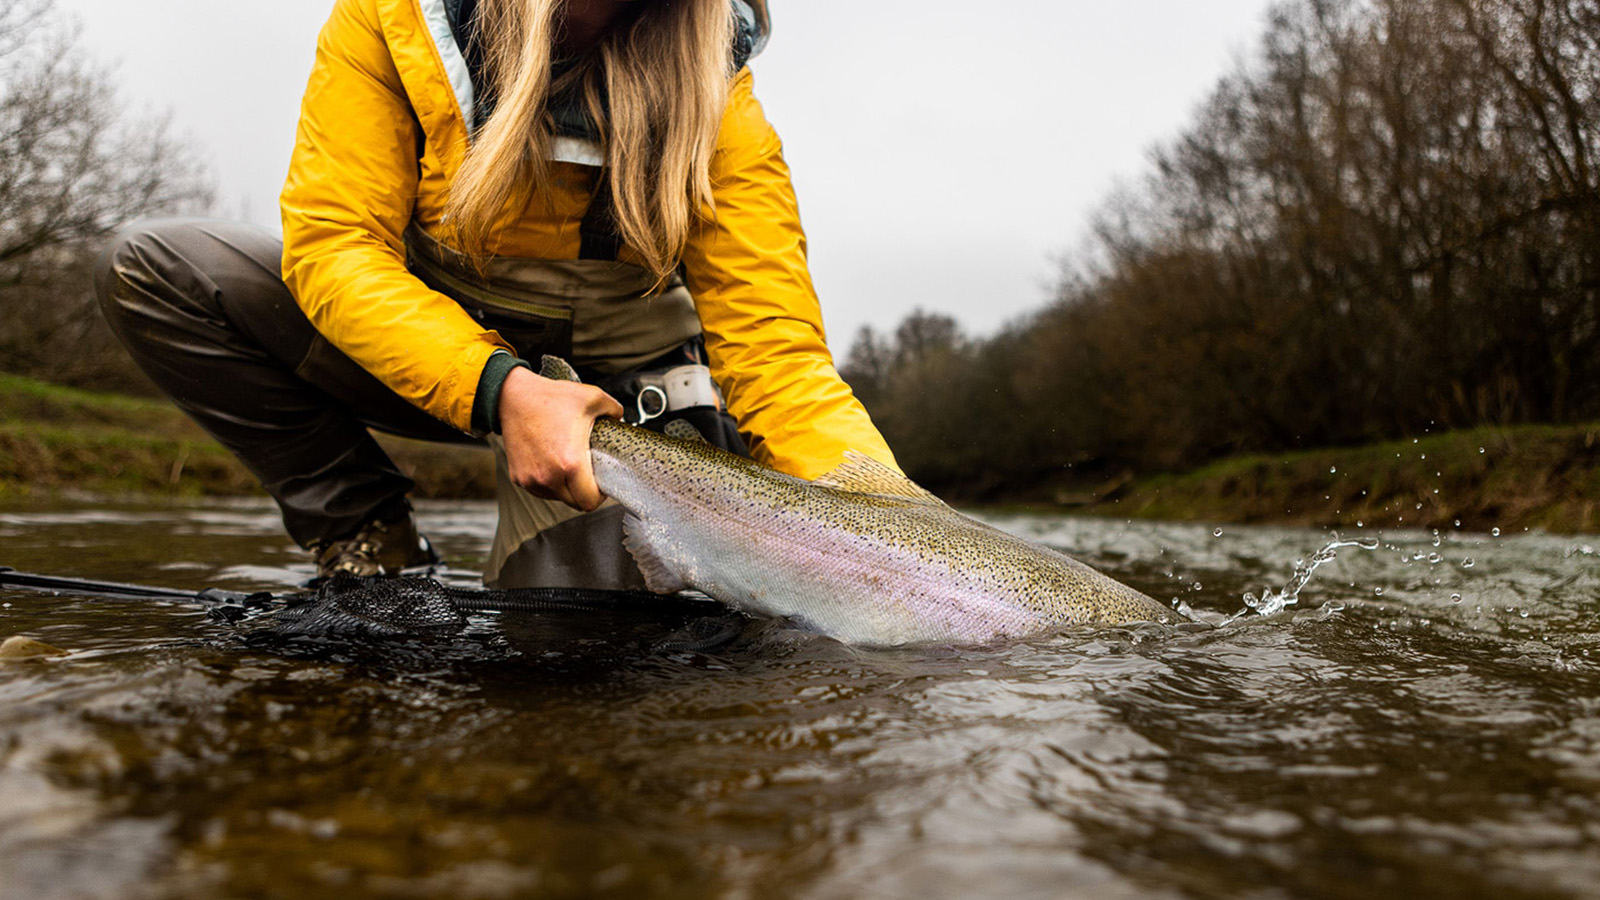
[(417, 606)]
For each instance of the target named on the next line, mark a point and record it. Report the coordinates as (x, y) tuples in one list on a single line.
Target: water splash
[(1272, 602)]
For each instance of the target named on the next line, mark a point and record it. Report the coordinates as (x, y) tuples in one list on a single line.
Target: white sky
[(945, 153)]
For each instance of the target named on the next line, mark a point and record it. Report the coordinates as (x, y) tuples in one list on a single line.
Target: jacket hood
[(762, 17), (754, 27)]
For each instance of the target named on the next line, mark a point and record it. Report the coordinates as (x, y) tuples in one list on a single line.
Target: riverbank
[(1526, 477), (56, 440)]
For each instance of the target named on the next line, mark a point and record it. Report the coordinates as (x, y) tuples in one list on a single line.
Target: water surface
[(1425, 723)]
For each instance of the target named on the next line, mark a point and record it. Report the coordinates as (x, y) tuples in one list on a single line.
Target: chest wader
[(644, 349)]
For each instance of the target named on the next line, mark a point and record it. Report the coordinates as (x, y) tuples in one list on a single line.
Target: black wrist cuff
[(486, 404)]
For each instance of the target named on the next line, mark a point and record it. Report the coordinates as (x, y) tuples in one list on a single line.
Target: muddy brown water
[(1426, 723)]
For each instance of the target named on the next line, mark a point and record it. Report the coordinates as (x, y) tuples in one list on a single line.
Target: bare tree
[(868, 365), (1385, 220), (73, 167)]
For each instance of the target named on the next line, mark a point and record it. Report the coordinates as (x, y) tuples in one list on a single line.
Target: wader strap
[(598, 232), (598, 314)]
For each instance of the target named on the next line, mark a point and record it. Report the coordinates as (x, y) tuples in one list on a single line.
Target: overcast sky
[(946, 153)]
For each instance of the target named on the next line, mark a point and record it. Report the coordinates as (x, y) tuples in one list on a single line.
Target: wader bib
[(644, 349)]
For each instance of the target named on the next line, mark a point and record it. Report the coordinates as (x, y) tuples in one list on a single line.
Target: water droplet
[(1480, 449), (1455, 598), (1458, 523), (1195, 586), (1495, 532), (1468, 563), (1217, 533), (1333, 470), (1360, 524), (1378, 591), (1419, 506), (1434, 559)]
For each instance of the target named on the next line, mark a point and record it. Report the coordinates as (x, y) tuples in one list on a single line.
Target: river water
[(1424, 723)]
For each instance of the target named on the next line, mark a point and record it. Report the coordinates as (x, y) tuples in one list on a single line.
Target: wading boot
[(379, 548)]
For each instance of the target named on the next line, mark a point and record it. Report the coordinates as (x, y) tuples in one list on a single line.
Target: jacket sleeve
[(746, 266), (350, 191)]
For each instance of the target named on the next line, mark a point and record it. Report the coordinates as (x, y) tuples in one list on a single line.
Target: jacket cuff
[(486, 403)]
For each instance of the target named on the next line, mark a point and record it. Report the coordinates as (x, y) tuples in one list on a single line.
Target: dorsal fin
[(861, 474), (557, 369)]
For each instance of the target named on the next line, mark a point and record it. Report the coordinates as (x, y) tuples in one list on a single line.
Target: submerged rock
[(19, 647)]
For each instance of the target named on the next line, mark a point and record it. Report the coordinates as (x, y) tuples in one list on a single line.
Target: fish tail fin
[(557, 369)]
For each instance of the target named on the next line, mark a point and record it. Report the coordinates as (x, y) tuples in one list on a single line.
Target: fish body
[(863, 554)]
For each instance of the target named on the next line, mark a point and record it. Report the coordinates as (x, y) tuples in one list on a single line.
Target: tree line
[(74, 166), (1385, 221)]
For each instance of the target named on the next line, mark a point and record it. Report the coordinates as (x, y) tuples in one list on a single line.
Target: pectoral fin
[(658, 576), (861, 474)]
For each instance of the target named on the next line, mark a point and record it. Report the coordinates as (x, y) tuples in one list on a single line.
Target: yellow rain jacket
[(382, 133)]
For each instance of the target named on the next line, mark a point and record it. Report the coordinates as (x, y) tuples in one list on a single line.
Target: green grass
[(58, 440), (1513, 478)]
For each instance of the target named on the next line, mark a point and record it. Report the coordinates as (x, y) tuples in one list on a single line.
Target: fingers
[(576, 489), (568, 481), (583, 492), (581, 489)]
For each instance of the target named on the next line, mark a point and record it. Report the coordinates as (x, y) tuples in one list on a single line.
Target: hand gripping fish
[(862, 554)]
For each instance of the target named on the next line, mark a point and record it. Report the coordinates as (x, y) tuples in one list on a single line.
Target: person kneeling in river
[(476, 183)]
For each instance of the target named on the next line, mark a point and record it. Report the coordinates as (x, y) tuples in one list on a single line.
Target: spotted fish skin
[(866, 568), (863, 554)]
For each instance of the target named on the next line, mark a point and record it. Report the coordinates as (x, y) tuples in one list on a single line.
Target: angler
[(476, 183)]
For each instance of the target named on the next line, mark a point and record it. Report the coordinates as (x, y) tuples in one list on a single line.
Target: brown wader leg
[(202, 309)]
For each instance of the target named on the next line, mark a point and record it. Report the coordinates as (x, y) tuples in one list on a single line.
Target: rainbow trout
[(862, 554)]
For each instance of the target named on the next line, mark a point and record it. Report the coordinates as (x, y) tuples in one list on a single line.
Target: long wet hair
[(655, 85)]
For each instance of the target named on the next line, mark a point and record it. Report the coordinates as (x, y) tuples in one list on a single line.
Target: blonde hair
[(655, 85)]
